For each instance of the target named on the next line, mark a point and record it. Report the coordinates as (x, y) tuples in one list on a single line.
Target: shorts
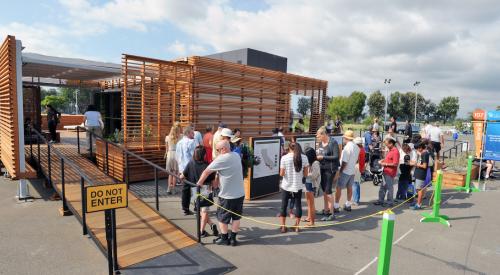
[(309, 187), (327, 181), (420, 184), (436, 146), (234, 205), (345, 181)]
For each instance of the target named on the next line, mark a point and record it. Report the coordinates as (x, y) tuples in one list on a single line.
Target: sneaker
[(188, 212), (378, 203), (347, 208), (215, 232), (355, 203), (336, 210), (328, 218), (204, 234), (416, 207), (323, 213), (222, 241)]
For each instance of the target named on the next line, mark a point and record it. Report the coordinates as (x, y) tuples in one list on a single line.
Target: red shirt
[(361, 160), (392, 157)]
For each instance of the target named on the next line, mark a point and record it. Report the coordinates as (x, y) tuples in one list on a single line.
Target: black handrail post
[(198, 217), (90, 142), (38, 145), (107, 157), (78, 138), (126, 169), (65, 206), (31, 143), (84, 218), (115, 245), (49, 164), (156, 189)]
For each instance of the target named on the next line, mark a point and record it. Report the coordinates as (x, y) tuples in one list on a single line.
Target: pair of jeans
[(356, 192), (186, 197), (402, 189), (296, 197), (52, 129), (386, 187)]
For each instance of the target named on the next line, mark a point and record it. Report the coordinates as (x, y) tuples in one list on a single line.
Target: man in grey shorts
[(348, 160)]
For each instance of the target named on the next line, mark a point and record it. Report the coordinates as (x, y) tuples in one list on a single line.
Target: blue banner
[(493, 116), (492, 144)]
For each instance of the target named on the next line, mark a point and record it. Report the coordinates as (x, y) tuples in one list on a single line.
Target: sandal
[(306, 220), (283, 229)]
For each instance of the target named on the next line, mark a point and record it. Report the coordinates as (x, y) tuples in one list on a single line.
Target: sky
[(451, 47)]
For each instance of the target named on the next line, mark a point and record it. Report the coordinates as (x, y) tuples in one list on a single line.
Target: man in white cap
[(217, 138), (227, 134), (348, 160), (359, 171)]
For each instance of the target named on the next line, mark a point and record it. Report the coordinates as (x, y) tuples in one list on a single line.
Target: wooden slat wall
[(253, 99), (9, 132)]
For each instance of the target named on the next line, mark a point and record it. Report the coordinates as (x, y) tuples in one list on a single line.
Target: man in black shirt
[(421, 171), (393, 128), (408, 131)]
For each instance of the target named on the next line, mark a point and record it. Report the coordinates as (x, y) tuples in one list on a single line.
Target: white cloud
[(41, 38), (180, 49)]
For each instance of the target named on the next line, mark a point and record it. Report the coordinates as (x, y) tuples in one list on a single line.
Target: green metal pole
[(435, 216), (467, 187), (384, 258)]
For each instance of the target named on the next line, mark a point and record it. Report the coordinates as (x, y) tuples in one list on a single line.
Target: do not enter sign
[(103, 197)]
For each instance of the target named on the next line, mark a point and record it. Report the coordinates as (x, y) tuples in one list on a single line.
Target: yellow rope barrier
[(305, 226)]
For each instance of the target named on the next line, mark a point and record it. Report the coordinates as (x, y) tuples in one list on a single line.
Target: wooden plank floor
[(142, 234)]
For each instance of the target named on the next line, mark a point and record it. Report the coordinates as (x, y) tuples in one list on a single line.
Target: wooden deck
[(142, 233)]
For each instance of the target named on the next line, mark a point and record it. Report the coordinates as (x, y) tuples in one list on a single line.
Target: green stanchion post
[(435, 216), (384, 258), (467, 187)]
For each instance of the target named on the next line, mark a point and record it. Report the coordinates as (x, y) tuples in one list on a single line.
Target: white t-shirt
[(427, 130), (350, 155), (435, 134), (92, 118), (375, 126), (292, 181), (228, 166)]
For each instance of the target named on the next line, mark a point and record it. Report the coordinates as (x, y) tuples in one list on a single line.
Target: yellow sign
[(103, 197)]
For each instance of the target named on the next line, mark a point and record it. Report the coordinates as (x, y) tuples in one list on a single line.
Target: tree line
[(400, 105)]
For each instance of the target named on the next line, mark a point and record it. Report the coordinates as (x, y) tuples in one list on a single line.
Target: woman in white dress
[(172, 166)]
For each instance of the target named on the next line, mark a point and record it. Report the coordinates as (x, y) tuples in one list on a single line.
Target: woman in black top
[(53, 117), (192, 173), (328, 157)]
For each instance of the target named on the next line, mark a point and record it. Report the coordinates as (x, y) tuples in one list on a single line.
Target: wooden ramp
[(142, 233)]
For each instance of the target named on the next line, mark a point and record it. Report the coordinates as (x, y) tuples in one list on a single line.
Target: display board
[(306, 141), (264, 173), (492, 141)]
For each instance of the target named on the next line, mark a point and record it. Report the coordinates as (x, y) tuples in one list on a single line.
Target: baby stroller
[(376, 171)]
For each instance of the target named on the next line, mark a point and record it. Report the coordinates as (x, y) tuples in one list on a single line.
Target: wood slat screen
[(253, 99), (9, 132), (156, 93)]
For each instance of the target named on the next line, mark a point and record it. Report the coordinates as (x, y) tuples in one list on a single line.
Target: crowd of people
[(216, 162)]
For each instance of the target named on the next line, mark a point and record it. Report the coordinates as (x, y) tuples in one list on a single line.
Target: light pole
[(386, 81), (416, 100)]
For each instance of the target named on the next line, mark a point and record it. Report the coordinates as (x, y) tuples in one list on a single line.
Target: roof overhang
[(53, 70)]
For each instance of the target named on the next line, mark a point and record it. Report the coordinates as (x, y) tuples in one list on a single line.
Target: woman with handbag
[(192, 173)]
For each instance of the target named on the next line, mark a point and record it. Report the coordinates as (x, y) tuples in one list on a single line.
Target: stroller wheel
[(375, 181)]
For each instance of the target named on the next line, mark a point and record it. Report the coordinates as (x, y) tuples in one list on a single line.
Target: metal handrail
[(155, 166), (455, 147)]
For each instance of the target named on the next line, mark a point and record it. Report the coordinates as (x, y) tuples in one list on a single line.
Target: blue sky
[(450, 47)]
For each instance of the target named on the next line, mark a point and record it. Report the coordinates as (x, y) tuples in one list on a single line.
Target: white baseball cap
[(226, 132)]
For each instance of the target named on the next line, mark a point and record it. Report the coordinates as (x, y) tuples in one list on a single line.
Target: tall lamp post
[(416, 100), (386, 81)]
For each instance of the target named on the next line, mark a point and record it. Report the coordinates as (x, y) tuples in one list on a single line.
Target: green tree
[(356, 103), (394, 108), (448, 108), (338, 106), (55, 101), (304, 106), (376, 104)]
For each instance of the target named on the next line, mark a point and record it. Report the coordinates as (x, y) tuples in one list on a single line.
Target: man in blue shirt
[(368, 139), (184, 151)]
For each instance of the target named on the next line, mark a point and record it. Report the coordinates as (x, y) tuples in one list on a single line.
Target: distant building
[(254, 58)]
